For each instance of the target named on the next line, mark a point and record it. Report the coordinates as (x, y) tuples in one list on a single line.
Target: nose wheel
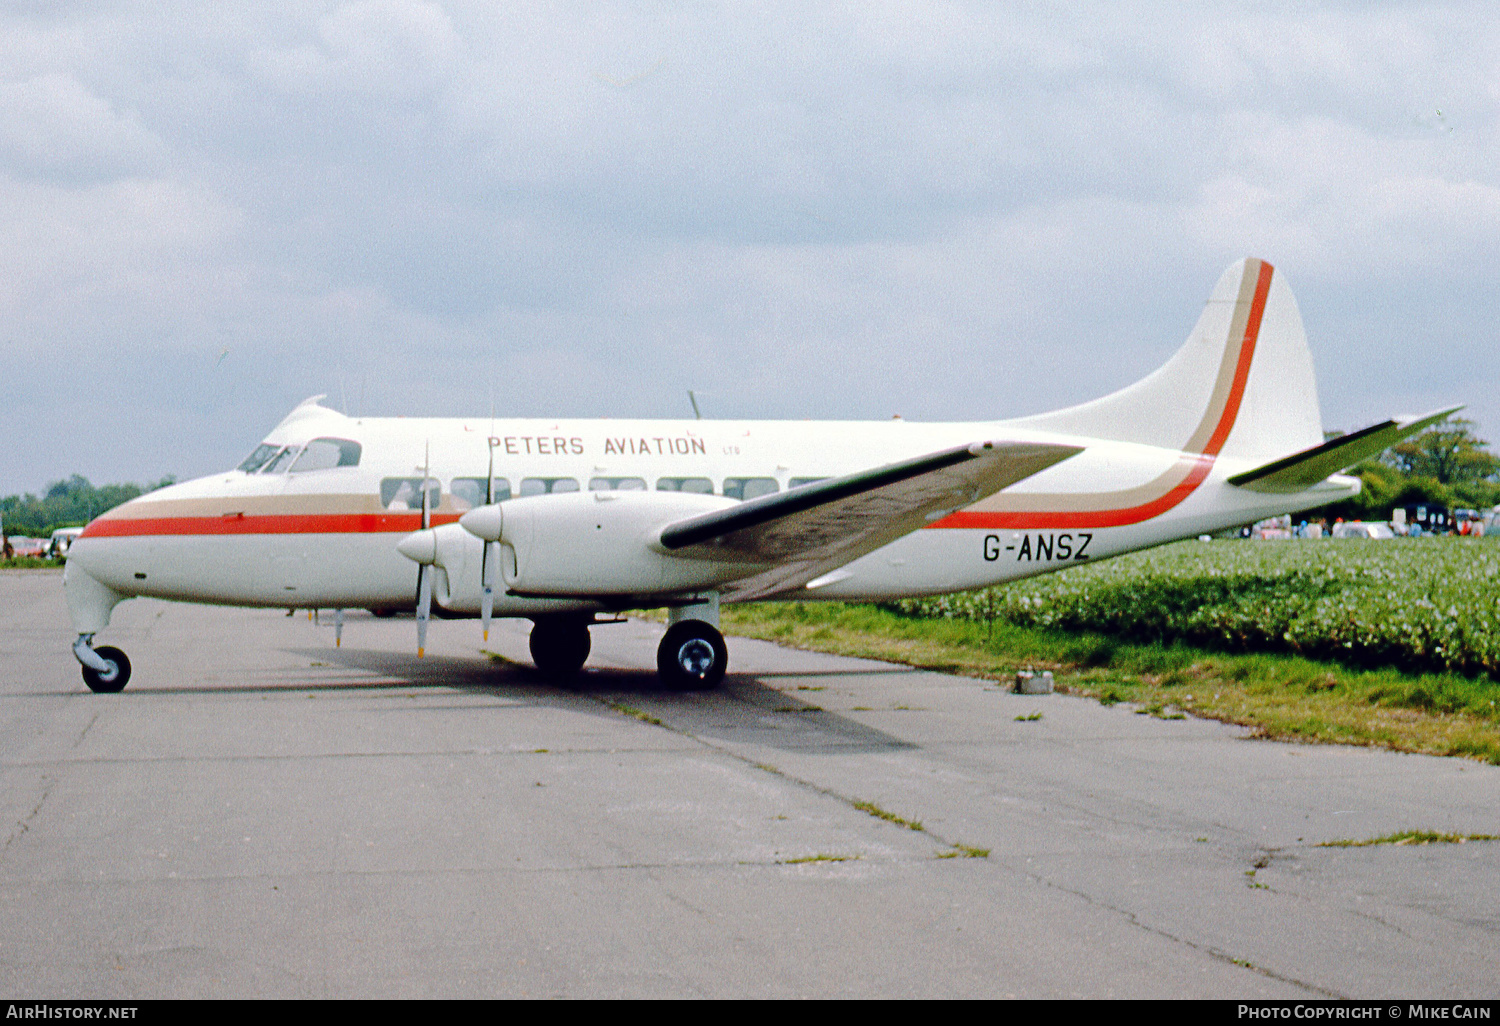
[(106, 669), (692, 656)]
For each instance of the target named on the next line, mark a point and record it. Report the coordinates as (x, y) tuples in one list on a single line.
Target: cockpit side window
[(277, 464), (617, 484), (257, 459), (327, 453)]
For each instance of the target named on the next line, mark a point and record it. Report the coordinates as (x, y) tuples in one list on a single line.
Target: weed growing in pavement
[(1408, 837), (871, 809)]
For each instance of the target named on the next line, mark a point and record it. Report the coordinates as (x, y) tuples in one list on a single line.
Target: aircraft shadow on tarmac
[(741, 710)]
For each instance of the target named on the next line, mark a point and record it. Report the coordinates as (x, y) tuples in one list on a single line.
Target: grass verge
[(1282, 697)]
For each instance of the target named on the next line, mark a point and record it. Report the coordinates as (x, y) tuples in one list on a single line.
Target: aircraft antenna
[(694, 400)]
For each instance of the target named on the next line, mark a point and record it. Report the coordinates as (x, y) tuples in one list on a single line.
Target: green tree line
[(70, 503)]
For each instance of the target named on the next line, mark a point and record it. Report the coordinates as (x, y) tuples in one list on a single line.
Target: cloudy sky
[(946, 210)]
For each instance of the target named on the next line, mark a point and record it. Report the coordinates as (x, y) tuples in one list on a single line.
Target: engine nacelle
[(598, 543)]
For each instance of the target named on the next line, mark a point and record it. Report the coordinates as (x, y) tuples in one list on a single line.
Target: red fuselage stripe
[(311, 523)]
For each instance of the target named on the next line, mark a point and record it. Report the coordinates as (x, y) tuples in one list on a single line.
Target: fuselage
[(316, 521)]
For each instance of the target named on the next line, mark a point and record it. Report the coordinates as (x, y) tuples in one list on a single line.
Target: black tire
[(111, 682), (692, 657), (560, 646)]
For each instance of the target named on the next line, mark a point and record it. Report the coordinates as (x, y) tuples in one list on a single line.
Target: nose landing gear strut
[(105, 669)]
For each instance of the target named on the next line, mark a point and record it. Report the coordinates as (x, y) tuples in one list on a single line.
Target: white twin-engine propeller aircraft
[(559, 521)]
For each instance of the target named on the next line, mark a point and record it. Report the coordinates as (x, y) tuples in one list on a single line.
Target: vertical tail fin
[(1242, 385)]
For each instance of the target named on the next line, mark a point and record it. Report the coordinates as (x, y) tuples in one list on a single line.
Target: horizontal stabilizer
[(1302, 470), (804, 533)]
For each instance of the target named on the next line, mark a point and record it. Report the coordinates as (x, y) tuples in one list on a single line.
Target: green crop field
[(1420, 605), (1390, 643)]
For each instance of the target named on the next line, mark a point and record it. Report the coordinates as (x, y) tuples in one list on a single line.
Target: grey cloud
[(944, 210), (52, 124), (382, 48)]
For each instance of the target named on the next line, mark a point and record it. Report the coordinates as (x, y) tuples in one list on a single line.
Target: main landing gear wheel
[(692, 656), (113, 679), (559, 647)]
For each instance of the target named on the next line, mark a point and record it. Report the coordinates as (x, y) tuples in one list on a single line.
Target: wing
[(1304, 469), (798, 536)]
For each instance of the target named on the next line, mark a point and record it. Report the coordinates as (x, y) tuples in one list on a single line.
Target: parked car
[(23, 546), (1274, 529), (1361, 529), (61, 541)]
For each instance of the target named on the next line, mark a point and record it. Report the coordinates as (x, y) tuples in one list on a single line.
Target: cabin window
[(617, 484), (697, 485), (257, 459), (405, 493), (277, 464), (798, 482), (547, 486), (327, 453), (745, 488), (468, 492)]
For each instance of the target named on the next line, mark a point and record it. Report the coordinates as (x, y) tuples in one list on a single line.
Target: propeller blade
[(424, 570), (489, 477), (487, 597), (426, 471), (424, 606)]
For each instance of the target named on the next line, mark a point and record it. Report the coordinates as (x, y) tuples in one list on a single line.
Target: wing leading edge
[(807, 532), (1304, 469)]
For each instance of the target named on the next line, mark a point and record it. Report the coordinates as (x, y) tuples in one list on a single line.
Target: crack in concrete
[(1129, 917), (328, 874), (1212, 952), (857, 804), (435, 753), (86, 728), (1270, 854), (1389, 926), (24, 824)]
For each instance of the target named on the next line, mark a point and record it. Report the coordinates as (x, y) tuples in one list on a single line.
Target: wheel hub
[(696, 658)]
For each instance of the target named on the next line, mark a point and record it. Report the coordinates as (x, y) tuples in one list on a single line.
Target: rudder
[(1241, 386)]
